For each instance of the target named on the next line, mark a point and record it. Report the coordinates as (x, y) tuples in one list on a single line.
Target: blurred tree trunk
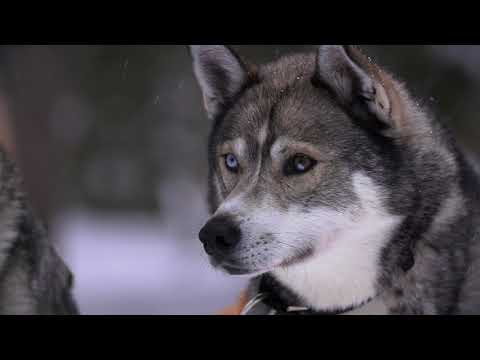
[(34, 77)]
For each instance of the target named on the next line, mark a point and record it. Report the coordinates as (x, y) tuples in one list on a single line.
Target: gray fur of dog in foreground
[(326, 175)]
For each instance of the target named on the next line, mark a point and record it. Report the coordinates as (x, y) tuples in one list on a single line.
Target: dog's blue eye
[(231, 162), (299, 164)]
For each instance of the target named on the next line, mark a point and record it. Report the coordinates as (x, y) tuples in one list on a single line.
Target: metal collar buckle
[(258, 299), (292, 309), (253, 303)]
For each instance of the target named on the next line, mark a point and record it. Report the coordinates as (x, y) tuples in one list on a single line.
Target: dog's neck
[(272, 298), (345, 278), (282, 300), (345, 275)]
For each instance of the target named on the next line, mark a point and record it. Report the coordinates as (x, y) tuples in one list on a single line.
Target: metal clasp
[(254, 302)]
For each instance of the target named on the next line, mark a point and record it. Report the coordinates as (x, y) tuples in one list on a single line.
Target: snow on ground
[(127, 264)]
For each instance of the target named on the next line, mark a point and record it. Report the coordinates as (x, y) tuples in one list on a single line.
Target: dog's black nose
[(219, 235)]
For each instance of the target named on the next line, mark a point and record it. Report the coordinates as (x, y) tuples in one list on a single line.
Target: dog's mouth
[(232, 267), (236, 268), (297, 258)]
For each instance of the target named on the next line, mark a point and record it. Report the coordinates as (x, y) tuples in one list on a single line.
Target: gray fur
[(357, 118), (33, 278), (221, 76)]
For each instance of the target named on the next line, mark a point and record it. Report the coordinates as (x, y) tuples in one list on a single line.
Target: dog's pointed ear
[(355, 83), (220, 73)]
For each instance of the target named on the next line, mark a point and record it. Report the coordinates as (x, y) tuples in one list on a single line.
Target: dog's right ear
[(220, 73)]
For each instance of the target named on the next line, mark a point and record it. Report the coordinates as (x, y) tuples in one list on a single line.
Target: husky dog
[(334, 189), (33, 278)]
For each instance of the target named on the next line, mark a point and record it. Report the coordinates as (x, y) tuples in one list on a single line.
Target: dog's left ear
[(355, 83)]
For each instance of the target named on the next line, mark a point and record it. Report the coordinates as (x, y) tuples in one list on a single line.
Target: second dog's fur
[(33, 278)]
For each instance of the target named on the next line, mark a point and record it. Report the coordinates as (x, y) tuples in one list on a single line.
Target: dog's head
[(298, 154)]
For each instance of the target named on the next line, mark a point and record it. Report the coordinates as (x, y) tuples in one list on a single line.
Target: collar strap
[(258, 301), (275, 299), (257, 306)]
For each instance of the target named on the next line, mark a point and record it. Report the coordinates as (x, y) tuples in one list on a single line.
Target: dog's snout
[(219, 234)]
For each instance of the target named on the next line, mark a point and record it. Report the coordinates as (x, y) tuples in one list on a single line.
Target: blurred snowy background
[(112, 144)]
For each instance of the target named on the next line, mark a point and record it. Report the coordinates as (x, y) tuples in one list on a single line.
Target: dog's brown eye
[(299, 164)]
